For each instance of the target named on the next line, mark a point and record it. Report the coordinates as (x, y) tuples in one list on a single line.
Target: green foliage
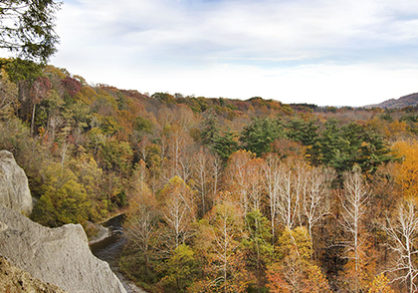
[(116, 156), (386, 116), (139, 267), (181, 270), (223, 144), (64, 199), (15, 137), (164, 98), (343, 147), (99, 150), (258, 136), (210, 131), (143, 125), (120, 199), (8, 96), (294, 242), (302, 131), (257, 244), (21, 70), (28, 28)]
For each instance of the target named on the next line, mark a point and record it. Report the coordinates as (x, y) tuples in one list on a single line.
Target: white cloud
[(299, 50)]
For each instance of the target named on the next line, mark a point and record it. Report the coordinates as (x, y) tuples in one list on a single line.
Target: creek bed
[(110, 249)]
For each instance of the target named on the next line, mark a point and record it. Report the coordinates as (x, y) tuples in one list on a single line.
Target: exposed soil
[(14, 280)]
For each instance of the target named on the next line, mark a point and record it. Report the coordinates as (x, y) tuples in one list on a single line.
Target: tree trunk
[(33, 119)]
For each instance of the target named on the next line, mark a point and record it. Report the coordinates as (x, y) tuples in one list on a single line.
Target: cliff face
[(14, 188), (14, 280), (60, 256)]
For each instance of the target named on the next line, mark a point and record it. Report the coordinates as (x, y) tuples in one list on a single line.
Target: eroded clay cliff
[(14, 188), (60, 256)]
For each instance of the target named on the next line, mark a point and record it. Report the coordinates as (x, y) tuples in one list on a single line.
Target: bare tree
[(353, 206), (141, 230), (216, 173), (403, 235), (254, 169), (314, 198), (272, 179), (297, 192), (178, 208), (236, 177), (177, 160), (288, 200), (201, 175)]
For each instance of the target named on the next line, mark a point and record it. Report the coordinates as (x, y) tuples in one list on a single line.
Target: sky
[(326, 52)]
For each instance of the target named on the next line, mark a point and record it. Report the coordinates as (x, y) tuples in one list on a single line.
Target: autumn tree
[(225, 267), (257, 244), (237, 177), (181, 270), (406, 172), (8, 95), (178, 209), (141, 229), (403, 239), (380, 284), (315, 194), (177, 161), (38, 91), (294, 270), (117, 156), (90, 175), (297, 192), (64, 199), (360, 265), (272, 174), (201, 174), (289, 195)]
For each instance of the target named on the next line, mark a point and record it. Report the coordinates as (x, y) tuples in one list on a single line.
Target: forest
[(221, 195)]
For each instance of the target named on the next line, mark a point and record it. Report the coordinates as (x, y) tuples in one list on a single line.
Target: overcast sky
[(327, 52)]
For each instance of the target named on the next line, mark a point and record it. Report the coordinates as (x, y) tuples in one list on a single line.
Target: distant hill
[(402, 102)]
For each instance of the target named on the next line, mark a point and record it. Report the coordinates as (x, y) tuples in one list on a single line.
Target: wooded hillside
[(222, 195)]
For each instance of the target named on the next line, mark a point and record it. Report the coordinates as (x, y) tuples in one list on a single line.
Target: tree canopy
[(27, 28)]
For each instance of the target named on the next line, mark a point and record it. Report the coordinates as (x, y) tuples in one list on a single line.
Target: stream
[(110, 249)]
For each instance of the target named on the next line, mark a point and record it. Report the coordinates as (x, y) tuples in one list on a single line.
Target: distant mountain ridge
[(402, 102)]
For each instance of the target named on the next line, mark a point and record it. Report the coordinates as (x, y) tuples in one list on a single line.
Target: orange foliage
[(406, 173), (276, 282)]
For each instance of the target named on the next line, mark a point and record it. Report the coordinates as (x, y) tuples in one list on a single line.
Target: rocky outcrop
[(59, 256), (14, 188), (14, 280)]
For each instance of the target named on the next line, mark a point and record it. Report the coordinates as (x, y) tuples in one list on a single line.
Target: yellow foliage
[(8, 95), (395, 128), (380, 284), (406, 173)]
